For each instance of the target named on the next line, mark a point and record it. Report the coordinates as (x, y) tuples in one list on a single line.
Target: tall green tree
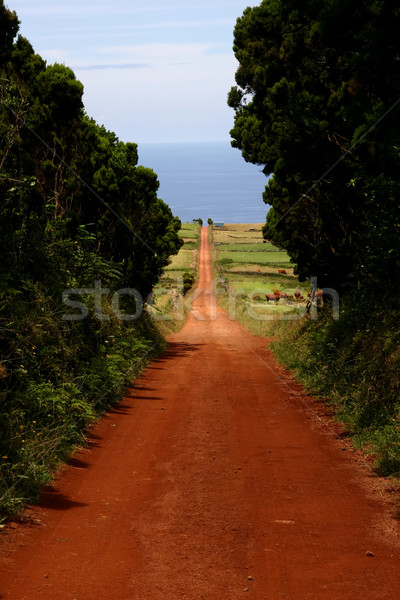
[(316, 104)]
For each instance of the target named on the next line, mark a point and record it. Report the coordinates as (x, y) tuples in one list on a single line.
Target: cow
[(272, 297), (282, 271)]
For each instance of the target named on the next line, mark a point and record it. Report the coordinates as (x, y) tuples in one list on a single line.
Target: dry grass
[(238, 233), (251, 269)]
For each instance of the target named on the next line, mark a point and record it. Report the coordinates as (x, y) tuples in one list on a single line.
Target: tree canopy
[(317, 105)]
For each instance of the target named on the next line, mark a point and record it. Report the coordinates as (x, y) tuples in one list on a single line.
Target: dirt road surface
[(211, 480)]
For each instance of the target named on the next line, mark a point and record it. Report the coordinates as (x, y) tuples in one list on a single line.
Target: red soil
[(213, 479)]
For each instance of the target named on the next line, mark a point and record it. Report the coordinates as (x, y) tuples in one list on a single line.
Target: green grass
[(256, 246), (190, 226), (256, 258), (187, 234), (189, 230), (267, 285), (184, 260), (191, 245)]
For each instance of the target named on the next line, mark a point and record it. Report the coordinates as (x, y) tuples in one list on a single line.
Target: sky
[(153, 71)]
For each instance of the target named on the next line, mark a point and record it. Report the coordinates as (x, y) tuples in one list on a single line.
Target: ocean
[(207, 180)]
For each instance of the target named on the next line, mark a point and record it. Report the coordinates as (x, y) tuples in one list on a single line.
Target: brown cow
[(282, 271)]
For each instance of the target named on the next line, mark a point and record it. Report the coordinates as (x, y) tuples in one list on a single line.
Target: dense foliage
[(75, 209), (317, 104)]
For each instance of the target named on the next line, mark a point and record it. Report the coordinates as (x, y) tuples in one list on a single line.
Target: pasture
[(247, 270)]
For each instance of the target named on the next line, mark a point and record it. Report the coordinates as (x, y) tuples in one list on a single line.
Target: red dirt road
[(211, 480)]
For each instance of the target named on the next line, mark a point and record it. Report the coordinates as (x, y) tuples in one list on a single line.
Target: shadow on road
[(177, 350), (51, 498)]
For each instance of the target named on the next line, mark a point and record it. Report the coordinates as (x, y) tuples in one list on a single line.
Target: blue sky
[(153, 71)]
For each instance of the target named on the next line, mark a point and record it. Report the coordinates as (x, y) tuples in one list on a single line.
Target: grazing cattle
[(284, 295), (272, 297), (297, 294), (282, 271)]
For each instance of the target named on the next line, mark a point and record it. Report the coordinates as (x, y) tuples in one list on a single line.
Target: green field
[(260, 258), (256, 246), (185, 259), (189, 231), (247, 268), (239, 245)]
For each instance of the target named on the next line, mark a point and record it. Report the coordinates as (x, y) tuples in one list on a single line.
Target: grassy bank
[(59, 376), (353, 362), (67, 375)]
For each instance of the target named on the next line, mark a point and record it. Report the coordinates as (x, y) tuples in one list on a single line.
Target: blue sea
[(207, 180)]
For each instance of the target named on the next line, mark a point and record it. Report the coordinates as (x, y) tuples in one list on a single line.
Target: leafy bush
[(188, 281)]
